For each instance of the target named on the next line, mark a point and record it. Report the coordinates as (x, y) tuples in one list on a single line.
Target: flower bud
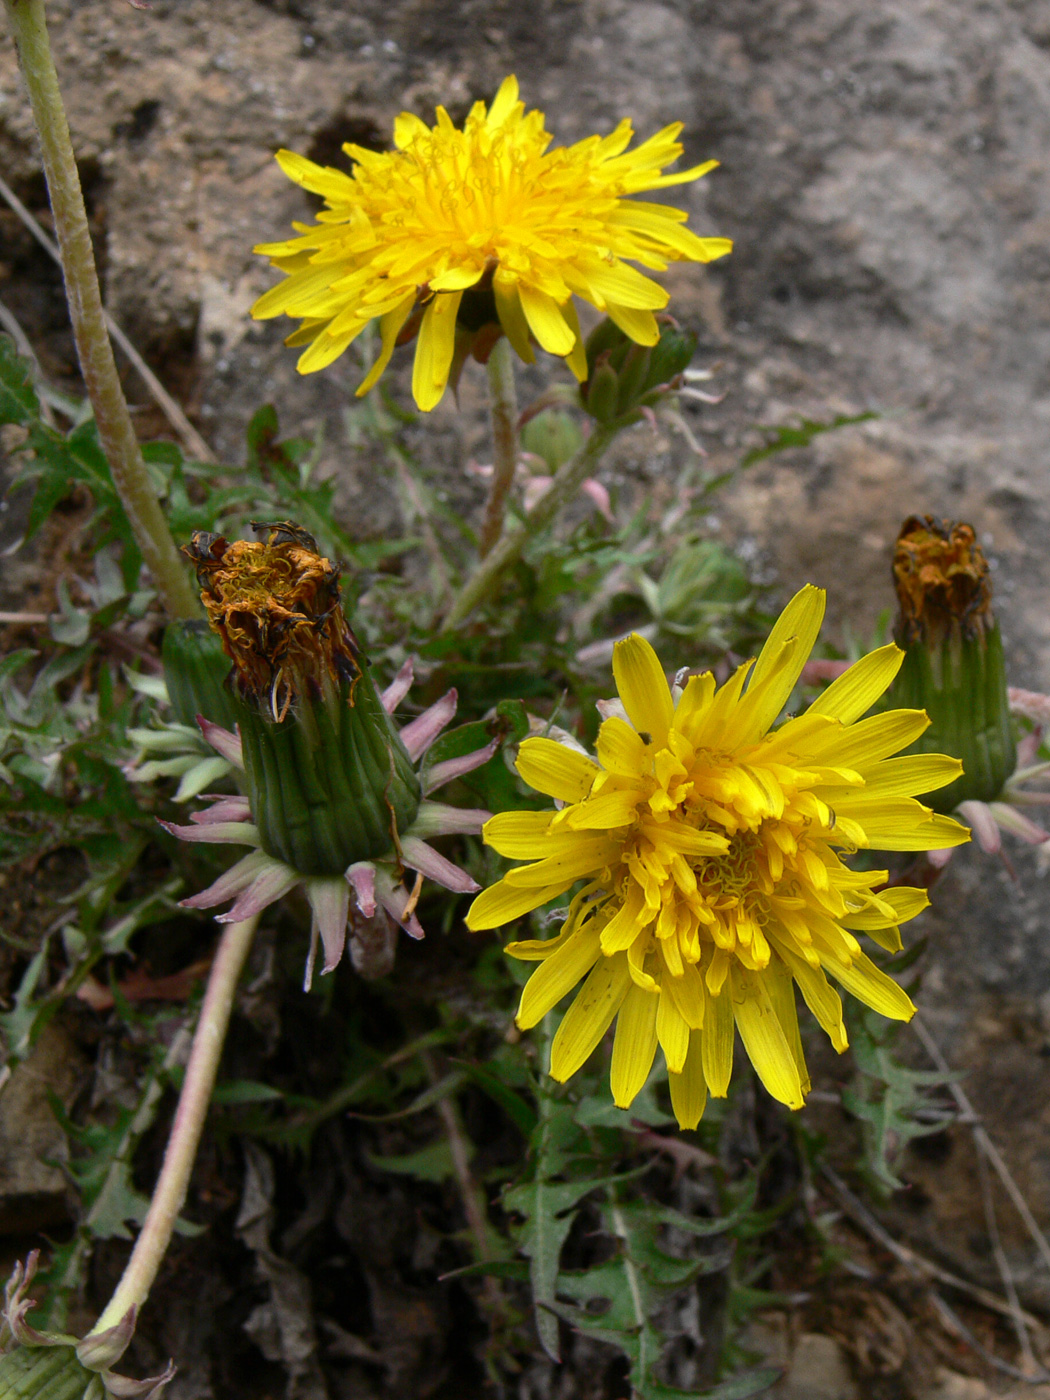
[(329, 780), (553, 435), (953, 665), (623, 377)]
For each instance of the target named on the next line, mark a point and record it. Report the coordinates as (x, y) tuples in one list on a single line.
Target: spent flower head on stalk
[(334, 800), (955, 669), (459, 236), (709, 846)]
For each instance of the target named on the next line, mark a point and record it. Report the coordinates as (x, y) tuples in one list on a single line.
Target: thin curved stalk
[(115, 429), (170, 1192)]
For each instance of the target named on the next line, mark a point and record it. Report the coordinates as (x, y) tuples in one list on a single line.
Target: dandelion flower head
[(710, 846), (491, 214)]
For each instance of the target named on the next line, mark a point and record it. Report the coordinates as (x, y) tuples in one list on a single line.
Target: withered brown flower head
[(275, 604), (941, 577)]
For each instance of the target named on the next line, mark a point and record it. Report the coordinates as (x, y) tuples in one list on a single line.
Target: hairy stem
[(170, 1192), (568, 479), (503, 416), (115, 430)]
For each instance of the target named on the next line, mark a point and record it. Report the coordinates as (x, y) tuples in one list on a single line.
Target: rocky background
[(886, 179)]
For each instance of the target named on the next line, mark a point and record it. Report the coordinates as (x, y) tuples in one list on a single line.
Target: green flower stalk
[(953, 665), (332, 797)]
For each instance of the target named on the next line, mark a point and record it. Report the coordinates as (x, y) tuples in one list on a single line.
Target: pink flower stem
[(503, 416), (169, 1194), (115, 429)]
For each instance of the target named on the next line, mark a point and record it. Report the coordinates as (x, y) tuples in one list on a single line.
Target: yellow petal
[(604, 813), (325, 349), (868, 740), (871, 986), (912, 775), (718, 1036), (641, 326), (546, 321), (902, 824), (519, 835), (500, 904), (558, 974), (777, 979), (688, 993), (389, 330), (715, 729), (628, 922), (689, 1089), (856, 690), (693, 704), (511, 316), (620, 750), (584, 856), (643, 689), (634, 1046), (764, 1038), (767, 695), (801, 619), (821, 998), (904, 900), (556, 770), (437, 341), (672, 1033), (887, 936), (503, 103), (577, 356), (623, 286), (589, 1016)]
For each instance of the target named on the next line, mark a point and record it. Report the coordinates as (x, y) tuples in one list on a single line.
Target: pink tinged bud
[(419, 856), (598, 494), (418, 736), (535, 488), (224, 809), (329, 898), (362, 877), (225, 743), (939, 859), (1032, 704), (230, 883), (442, 773), (398, 687), (981, 818), (273, 880), (438, 819), (236, 833), (1010, 819)]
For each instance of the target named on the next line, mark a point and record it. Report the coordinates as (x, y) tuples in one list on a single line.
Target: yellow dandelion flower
[(490, 214), (709, 843)]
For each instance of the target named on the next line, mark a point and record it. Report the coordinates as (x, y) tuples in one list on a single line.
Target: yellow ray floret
[(710, 845), (487, 210)]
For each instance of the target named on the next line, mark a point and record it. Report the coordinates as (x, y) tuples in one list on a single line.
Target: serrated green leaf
[(18, 400), (784, 438)]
